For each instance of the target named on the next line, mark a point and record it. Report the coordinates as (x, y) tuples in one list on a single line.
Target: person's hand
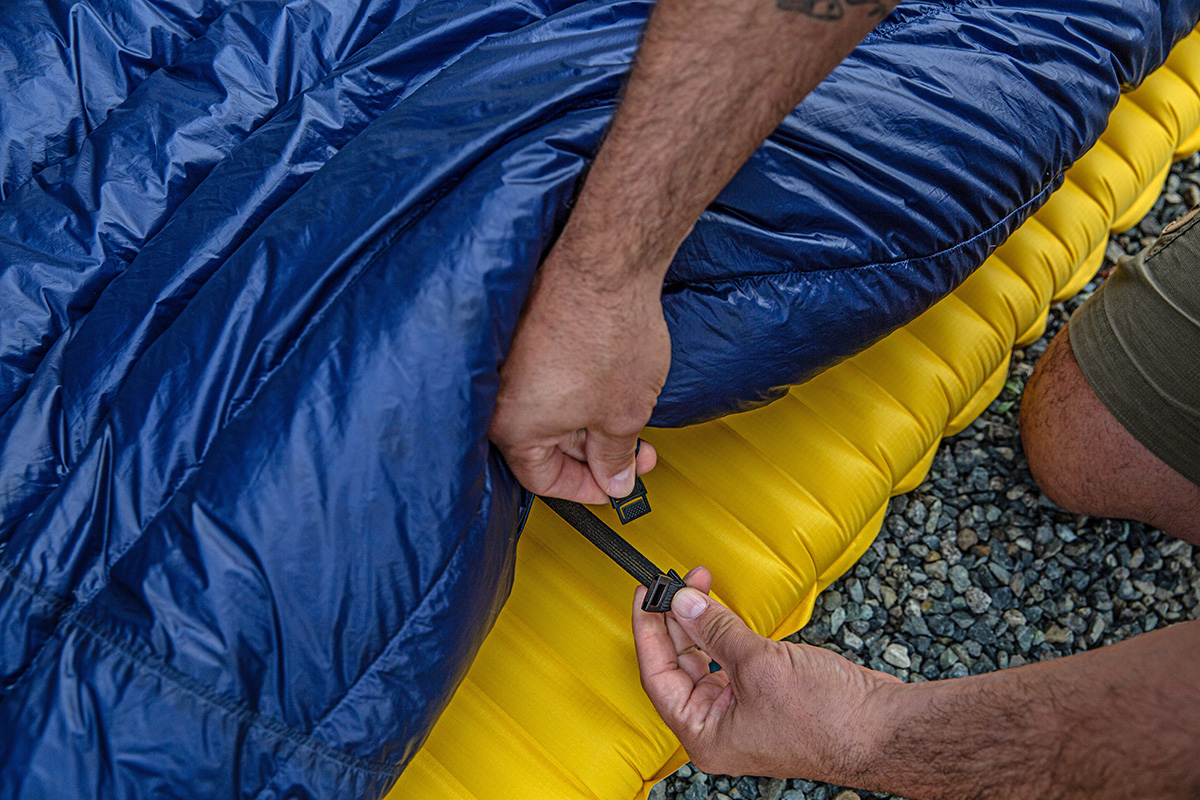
[(774, 708), (590, 356)]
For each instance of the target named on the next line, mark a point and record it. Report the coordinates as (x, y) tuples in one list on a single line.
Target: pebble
[(966, 539), (977, 570), (1145, 587), (978, 600), (960, 578), (1058, 635), (897, 656), (771, 788)]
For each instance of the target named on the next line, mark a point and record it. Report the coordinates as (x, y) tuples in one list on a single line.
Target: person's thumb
[(611, 460), (714, 628)]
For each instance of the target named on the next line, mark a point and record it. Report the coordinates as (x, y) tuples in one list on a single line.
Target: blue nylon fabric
[(251, 529), (65, 65)]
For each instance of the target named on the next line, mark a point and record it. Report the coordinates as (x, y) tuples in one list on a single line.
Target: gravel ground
[(976, 570)]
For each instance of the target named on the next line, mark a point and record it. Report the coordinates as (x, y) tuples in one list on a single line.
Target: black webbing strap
[(662, 585), (604, 537)]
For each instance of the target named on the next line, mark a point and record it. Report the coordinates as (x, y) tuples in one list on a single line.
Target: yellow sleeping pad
[(777, 502)]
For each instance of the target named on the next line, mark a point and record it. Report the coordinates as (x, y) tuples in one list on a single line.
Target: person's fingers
[(667, 686), (574, 445), (647, 457), (699, 578), (692, 659), (714, 628), (550, 471), (611, 460)]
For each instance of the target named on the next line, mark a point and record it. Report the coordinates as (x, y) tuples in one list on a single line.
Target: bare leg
[(1085, 460)]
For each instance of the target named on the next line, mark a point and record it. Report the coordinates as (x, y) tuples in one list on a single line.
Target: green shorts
[(1137, 340)]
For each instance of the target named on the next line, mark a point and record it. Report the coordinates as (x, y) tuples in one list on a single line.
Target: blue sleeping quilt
[(260, 262)]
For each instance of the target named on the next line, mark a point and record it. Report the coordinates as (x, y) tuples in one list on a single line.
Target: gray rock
[(1113, 252), (1003, 599), (771, 788), (855, 588), (916, 626), (897, 656), (962, 619), (1058, 635), (940, 625), (982, 634), (960, 578), (1145, 587), (977, 600), (1136, 559), (1024, 636), (917, 513)]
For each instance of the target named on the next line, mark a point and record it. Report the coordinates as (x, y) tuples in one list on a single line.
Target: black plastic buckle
[(662, 592), (633, 505)]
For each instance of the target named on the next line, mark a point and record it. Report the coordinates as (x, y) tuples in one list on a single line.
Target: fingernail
[(622, 483), (688, 603)]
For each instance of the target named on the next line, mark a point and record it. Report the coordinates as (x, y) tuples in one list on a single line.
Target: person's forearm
[(1121, 721), (712, 79)]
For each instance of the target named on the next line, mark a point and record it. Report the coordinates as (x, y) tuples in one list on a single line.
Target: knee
[(1084, 460), (1054, 423)]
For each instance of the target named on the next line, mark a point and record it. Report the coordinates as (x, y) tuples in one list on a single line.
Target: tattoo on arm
[(834, 9)]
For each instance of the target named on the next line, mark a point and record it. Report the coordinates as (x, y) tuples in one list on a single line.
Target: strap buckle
[(633, 505), (662, 592)]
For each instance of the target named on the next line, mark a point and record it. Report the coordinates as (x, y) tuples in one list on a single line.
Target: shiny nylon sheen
[(259, 263)]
